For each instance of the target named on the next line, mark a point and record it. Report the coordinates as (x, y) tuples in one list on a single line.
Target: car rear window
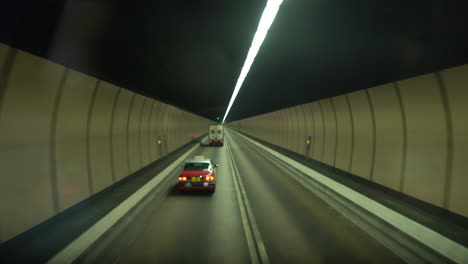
[(196, 166)]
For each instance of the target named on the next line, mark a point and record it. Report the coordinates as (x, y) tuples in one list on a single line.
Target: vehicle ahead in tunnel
[(199, 173), (216, 135)]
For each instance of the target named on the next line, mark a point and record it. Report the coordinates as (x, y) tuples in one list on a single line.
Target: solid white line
[(256, 231), (73, 250), (248, 234), (441, 244), (242, 193)]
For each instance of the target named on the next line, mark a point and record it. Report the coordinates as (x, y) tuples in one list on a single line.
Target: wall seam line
[(88, 138), (159, 129), (286, 143), (158, 132), (269, 127), (300, 141), (336, 131), (53, 144), (168, 130), (164, 131), (286, 122), (153, 125), (312, 143), (271, 121), (278, 128), (291, 129), (449, 130), (298, 144), (305, 129), (139, 132), (130, 110), (352, 132), (374, 133), (323, 130), (405, 134), (149, 130), (171, 134), (275, 128), (111, 135), (5, 74), (288, 128)]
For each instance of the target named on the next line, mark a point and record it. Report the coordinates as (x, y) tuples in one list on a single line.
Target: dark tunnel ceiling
[(190, 53)]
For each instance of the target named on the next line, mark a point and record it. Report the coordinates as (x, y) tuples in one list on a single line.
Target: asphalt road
[(276, 220)]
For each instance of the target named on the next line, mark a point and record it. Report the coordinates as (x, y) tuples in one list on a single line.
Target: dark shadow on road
[(195, 193)]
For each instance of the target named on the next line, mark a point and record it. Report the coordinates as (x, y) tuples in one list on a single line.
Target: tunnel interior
[(349, 132)]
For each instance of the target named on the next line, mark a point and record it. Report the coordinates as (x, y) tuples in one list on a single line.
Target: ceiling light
[(267, 19)]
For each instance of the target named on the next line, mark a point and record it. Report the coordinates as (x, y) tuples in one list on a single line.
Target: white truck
[(216, 135)]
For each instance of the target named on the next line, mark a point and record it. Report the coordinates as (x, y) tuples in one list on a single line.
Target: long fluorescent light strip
[(267, 19)]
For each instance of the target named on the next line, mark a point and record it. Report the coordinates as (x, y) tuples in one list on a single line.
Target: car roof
[(198, 161)]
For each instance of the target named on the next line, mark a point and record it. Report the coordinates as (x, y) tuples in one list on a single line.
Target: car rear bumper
[(195, 186)]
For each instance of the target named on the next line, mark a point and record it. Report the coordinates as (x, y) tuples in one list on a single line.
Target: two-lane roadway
[(258, 213)]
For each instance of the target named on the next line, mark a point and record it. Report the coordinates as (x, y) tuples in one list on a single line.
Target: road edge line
[(439, 243), (75, 248)]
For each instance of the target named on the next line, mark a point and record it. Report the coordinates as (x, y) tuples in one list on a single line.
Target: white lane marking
[(247, 231), (73, 250), (441, 244), (246, 211), (341, 204)]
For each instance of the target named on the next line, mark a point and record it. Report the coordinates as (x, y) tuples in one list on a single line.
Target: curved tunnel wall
[(65, 136), (409, 135)]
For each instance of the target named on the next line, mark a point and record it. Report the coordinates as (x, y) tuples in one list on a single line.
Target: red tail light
[(211, 141), (182, 178), (209, 178), (221, 141)]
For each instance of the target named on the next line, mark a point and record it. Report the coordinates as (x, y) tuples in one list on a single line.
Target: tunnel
[(373, 174)]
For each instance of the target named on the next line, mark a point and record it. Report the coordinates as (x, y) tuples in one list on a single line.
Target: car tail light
[(221, 141), (209, 178), (182, 178), (211, 141)]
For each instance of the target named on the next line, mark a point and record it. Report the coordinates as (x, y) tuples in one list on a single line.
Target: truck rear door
[(220, 133), (213, 132)]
